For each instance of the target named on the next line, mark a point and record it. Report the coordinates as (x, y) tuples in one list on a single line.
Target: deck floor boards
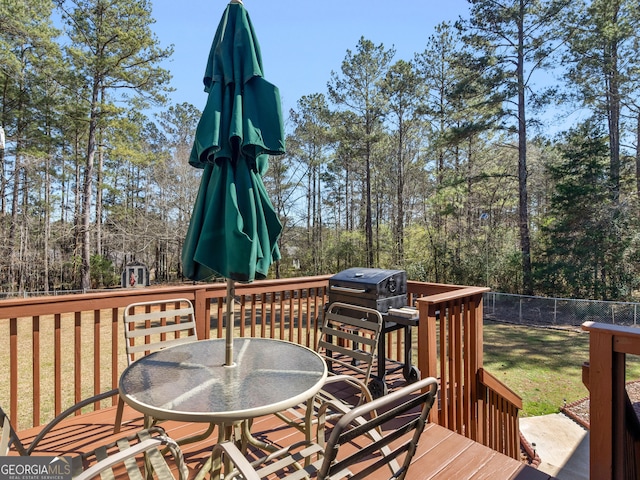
[(442, 454)]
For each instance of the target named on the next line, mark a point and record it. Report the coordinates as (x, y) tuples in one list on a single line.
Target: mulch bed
[(579, 411)]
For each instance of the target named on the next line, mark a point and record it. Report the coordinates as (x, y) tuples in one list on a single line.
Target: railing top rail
[(47, 305), (89, 301), (453, 294), (626, 340), (443, 286), (282, 284), (115, 293), (500, 388), (617, 330)]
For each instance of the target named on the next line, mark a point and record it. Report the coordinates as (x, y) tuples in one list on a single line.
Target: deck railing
[(614, 445), (472, 402), (57, 350)]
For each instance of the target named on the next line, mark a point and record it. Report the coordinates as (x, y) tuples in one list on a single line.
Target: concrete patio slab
[(561, 444)]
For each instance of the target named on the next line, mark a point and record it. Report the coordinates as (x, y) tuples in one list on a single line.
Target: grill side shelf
[(403, 316)]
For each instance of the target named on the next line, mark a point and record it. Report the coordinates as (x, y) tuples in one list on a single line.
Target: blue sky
[(301, 42)]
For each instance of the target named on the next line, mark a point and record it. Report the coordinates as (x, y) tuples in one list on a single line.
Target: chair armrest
[(336, 405), (66, 413)]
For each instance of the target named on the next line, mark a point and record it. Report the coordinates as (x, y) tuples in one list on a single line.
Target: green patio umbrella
[(234, 228)]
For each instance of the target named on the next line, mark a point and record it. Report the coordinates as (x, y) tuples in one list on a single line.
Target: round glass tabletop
[(189, 382)]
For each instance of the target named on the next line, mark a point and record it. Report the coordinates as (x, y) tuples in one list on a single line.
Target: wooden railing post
[(475, 352), (428, 346), (608, 347), (13, 368), (201, 313)]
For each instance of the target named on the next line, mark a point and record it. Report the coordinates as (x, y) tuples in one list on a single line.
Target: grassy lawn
[(542, 365)]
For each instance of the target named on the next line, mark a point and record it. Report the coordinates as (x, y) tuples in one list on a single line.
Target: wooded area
[(505, 153)]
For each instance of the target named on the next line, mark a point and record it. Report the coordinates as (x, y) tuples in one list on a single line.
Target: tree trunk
[(348, 224), (25, 283), (368, 225), (319, 227), (315, 255), (13, 237), (87, 189), (638, 155), (77, 216), (3, 183), (400, 199), (613, 117), (47, 221), (99, 187), (310, 200), (523, 203), (3, 167)]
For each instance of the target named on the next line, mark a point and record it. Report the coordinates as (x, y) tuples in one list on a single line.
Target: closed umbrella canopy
[(234, 228)]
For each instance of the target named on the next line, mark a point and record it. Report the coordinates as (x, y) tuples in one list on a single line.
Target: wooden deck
[(442, 454), (71, 344)]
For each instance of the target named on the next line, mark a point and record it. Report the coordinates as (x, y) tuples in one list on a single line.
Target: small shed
[(134, 275)]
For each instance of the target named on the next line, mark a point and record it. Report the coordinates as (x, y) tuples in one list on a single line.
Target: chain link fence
[(525, 310)]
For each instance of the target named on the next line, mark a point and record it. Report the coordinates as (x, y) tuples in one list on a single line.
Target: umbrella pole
[(230, 323)]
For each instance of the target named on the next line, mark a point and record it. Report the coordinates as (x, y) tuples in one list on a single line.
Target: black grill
[(380, 290), (370, 287)]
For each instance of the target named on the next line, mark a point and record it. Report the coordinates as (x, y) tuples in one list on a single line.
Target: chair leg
[(119, 413)]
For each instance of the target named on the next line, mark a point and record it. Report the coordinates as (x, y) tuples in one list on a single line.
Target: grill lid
[(370, 282)]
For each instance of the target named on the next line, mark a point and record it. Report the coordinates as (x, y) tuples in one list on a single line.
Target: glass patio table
[(190, 382)]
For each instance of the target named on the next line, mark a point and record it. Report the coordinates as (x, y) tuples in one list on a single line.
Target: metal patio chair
[(348, 341), (154, 325), (400, 417), (107, 460), (9, 438)]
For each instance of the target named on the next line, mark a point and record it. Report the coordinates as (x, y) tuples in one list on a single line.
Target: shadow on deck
[(442, 454)]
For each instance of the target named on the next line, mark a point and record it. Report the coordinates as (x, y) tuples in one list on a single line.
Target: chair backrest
[(349, 339), (391, 424), (151, 326)]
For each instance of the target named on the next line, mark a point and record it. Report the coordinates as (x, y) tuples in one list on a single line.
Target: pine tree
[(587, 235), (357, 88), (114, 48), (513, 39)]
